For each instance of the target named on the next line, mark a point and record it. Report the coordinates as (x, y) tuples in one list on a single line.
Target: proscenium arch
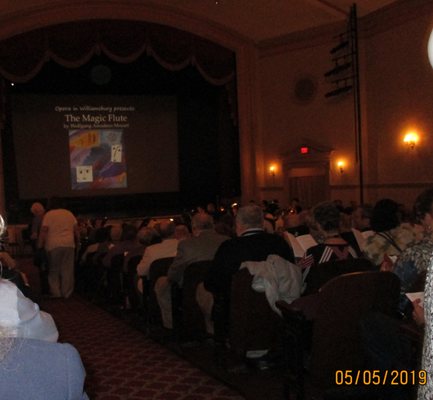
[(25, 19)]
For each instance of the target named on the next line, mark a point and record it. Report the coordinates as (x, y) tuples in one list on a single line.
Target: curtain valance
[(73, 45)]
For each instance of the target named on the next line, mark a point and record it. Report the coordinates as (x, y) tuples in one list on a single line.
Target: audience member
[(202, 246), (181, 232), (212, 210), (128, 241), (167, 248), (424, 317), (252, 244), (39, 370), (361, 217), (22, 317), (327, 220), (295, 206), (411, 266), (100, 245), (10, 272), (391, 236), (59, 236), (295, 223), (95, 225), (334, 247)]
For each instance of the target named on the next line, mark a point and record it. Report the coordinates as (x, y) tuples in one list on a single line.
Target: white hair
[(6, 341)]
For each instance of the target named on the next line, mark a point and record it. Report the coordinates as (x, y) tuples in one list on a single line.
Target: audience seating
[(115, 279), (101, 274), (130, 281), (319, 274), (157, 269), (86, 274), (188, 321), (336, 343), (253, 324)]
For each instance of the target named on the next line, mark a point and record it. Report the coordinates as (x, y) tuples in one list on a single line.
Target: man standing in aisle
[(59, 235)]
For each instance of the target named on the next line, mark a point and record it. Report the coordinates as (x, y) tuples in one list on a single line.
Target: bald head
[(167, 229), (37, 209), (201, 222)]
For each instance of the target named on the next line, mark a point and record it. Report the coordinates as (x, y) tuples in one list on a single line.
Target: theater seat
[(342, 303), (157, 269), (188, 319), (130, 280), (319, 274), (253, 324), (115, 279)]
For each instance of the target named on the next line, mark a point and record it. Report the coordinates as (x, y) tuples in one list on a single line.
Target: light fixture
[(430, 48), (411, 139), (340, 165), (272, 169)]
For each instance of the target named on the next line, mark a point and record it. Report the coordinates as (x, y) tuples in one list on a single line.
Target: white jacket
[(278, 278)]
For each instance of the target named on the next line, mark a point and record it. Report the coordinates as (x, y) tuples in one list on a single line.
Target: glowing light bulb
[(272, 169), (411, 139)]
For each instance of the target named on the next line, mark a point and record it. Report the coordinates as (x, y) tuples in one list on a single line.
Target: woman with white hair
[(32, 365), (39, 370)]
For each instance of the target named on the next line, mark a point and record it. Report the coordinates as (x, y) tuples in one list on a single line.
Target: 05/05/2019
[(378, 377)]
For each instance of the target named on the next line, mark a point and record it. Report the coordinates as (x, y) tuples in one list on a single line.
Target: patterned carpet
[(123, 364)]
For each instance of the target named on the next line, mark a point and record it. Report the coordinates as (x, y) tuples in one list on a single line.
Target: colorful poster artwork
[(97, 159)]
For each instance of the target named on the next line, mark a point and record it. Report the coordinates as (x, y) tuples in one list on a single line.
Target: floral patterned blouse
[(392, 242), (413, 262), (425, 392)]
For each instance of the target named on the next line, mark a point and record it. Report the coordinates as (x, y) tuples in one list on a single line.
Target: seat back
[(131, 281), (157, 269), (115, 279), (319, 274), (191, 320), (343, 303), (253, 324)]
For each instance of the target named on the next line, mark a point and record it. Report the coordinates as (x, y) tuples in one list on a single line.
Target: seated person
[(252, 244), (39, 370), (361, 217), (202, 246), (391, 236), (333, 247), (167, 248), (10, 272), (411, 266), (101, 243), (128, 241), (295, 223), (22, 317)]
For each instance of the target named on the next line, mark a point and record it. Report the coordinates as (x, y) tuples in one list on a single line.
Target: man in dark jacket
[(251, 244)]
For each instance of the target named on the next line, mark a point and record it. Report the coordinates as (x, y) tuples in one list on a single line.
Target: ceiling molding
[(48, 13)]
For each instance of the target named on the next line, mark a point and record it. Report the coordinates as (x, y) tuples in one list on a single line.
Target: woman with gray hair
[(332, 247)]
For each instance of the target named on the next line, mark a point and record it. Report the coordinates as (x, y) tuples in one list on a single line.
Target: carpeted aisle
[(122, 364)]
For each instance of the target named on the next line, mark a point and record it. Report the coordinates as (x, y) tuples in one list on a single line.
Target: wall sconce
[(341, 164), (272, 169), (411, 139)]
